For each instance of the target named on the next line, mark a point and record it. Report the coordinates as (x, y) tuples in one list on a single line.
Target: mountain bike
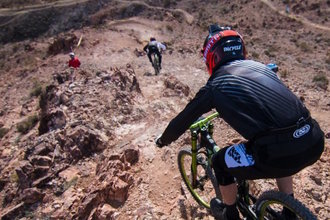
[(195, 165), (155, 63)]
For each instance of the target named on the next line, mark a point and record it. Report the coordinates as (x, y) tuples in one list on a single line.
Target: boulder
[(32, 195), (175, 87), (39, 160), (131, 155), (105, 212)]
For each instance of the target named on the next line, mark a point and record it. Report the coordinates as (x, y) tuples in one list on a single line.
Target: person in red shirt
[(74, 61)]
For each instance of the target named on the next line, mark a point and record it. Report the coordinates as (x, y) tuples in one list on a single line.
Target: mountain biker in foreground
[(282, 136), (154, 47)]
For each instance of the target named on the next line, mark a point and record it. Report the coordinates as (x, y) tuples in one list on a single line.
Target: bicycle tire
[(275, 198), (201, 197), (156, 64)]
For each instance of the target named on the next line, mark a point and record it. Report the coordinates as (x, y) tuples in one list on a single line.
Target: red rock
[(32, 195)]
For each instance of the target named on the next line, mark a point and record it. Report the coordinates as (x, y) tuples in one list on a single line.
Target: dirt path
[(31, 8), (298, 18)]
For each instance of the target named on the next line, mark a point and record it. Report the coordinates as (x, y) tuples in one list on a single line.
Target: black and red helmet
[(222, 45)]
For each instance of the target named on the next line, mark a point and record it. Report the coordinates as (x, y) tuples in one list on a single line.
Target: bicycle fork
[(194, 158)]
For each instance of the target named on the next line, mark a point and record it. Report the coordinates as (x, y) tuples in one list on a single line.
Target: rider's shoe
[(218, 209)]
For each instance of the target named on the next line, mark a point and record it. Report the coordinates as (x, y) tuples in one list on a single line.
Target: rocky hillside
[(78, 144)]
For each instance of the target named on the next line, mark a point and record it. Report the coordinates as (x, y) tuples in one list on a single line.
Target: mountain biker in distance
[(282, 137), (154, 47)]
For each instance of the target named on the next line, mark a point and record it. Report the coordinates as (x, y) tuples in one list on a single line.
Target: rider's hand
[(158, 142)]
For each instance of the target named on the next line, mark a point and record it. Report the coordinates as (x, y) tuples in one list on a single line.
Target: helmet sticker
[(210, 44)]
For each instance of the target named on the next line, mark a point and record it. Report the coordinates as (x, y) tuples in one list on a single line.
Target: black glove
[(158, 142)]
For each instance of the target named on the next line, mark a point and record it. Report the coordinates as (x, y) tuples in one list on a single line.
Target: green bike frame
[(193, 129)]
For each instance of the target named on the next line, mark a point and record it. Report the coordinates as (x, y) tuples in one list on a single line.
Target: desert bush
[(167, 3), (321, 81), (304, 47), (13, 177), (255, 55), (66, 185), (36, 90), (327, 59), (26, 125), (298, 59), (169, 28), (16, 48), (3, 132), (284, 73)]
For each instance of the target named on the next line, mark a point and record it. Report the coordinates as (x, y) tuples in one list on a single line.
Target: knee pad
[(219, 166)]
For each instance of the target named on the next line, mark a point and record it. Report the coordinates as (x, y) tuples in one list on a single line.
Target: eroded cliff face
[(78, 143)]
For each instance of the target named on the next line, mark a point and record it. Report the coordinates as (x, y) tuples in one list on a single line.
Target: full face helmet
[(221, 46)]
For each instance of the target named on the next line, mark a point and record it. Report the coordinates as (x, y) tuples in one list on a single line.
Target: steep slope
[(92, 153)]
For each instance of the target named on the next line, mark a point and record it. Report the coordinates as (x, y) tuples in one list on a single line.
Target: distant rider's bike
[(155, 63), (197, 173)]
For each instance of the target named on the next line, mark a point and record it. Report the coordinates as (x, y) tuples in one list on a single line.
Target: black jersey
[(248, 96)]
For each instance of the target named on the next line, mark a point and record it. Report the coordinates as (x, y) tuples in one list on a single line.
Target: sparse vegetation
[(3, 132), (327, 60), (298, 59), (284, 73), (167, 3), (36, 90), (255, 55), (70, 183), (66, 185), (169, 28), (304, 47), (321, 81), (26, 125), (271, 51), (14, 177)]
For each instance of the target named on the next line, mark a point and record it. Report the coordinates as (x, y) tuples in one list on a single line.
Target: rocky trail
[(91, 152)]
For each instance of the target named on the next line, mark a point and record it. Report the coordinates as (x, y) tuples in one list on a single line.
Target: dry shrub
[(321, 81), (3, 132), (36, 90), (284, 73), (255, 55), (304, 47), (169, 28), (327, 59), (25, 126)]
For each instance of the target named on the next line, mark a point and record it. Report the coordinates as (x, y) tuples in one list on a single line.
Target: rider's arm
[(161, 46), (201, 104), (145, 47)]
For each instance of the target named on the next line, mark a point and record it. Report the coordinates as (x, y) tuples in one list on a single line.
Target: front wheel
[(202, 189), (271, 203)]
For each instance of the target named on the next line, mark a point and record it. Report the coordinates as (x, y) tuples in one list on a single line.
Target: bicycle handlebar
[(202, 127), (203, 122)]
